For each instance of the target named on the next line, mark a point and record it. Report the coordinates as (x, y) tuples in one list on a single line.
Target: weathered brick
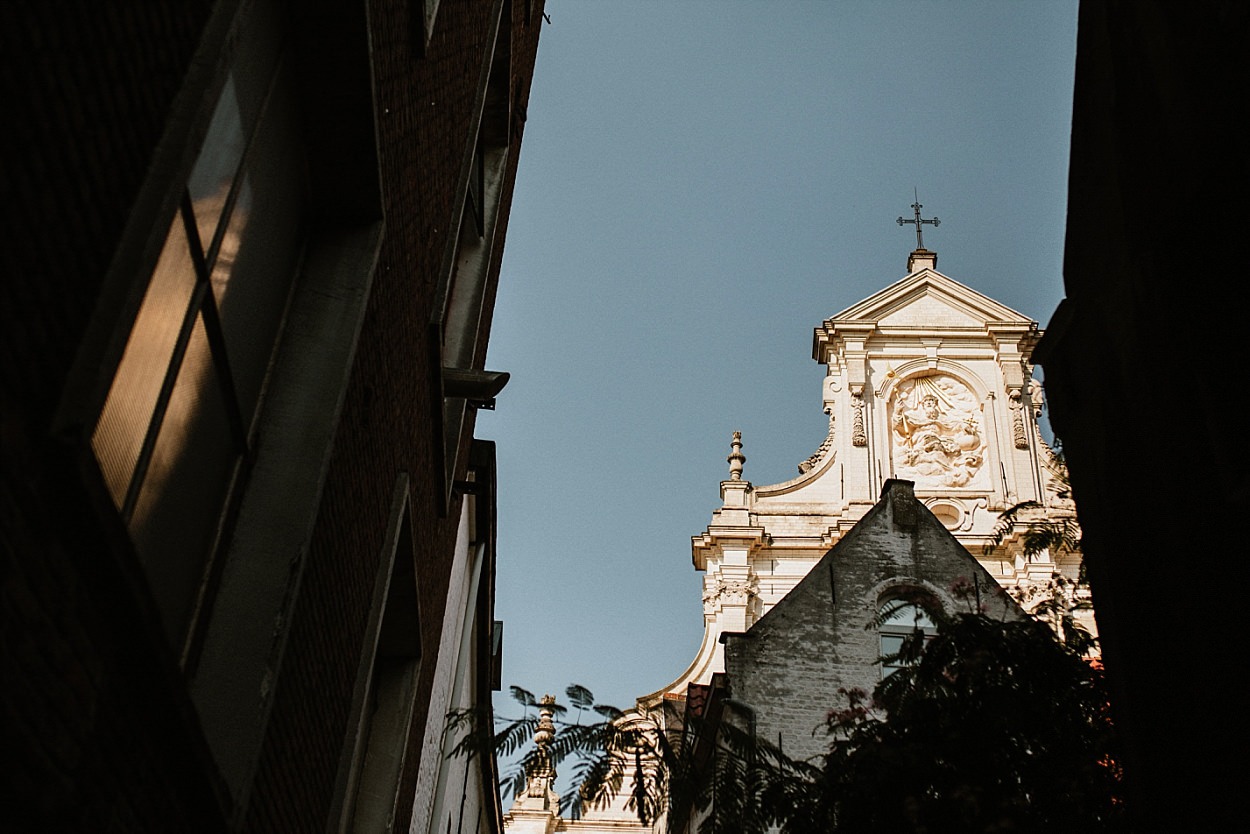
[(789, 667)]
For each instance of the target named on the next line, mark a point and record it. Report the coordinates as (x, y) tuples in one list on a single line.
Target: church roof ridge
[(890, 296)]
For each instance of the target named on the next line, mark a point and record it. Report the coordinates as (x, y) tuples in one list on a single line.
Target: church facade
[(927, 381), (933, 433)]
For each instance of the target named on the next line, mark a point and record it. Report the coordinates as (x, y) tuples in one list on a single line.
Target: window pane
[(909, 616), (234, 118), (175, 519), (257, 258), (217, 164), (127, 412)]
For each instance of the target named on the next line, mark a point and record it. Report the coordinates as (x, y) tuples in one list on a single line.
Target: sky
[(700, 185)]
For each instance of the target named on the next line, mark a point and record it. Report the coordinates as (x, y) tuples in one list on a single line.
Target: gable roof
[(899, 538), (925, 301), (929, 291), (790, 665)]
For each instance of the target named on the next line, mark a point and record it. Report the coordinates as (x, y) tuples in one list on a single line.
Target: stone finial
[(736, 458), (540, 772), (546, 729)]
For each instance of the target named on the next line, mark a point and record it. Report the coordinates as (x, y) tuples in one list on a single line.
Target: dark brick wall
[(86, 88), (98, 731), (1158, 480), (425, 105)]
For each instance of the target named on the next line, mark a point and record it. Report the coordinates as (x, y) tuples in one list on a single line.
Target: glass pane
[(127, 412), (217, 163), (256, 261), (256, 56), (909, 616), (176, 517)]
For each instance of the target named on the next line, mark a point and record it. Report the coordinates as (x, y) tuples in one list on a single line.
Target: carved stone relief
[(1037, 396), (858, 437), (1017, 419), (937, 436)]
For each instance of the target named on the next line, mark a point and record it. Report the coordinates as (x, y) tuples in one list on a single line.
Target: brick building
[(789, 667), (250, 264)]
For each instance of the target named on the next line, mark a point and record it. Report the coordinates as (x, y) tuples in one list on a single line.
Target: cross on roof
[(918, 222)]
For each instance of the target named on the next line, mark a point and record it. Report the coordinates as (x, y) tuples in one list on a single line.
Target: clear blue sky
[(701, 184)]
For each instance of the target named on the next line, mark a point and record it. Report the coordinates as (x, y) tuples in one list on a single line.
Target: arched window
[(900, 619)]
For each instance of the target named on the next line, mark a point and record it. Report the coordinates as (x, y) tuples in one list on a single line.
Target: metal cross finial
[(918, 222)]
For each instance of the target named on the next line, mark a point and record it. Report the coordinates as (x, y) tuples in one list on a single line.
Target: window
[(900, 621), (174, 429), (454, 788), (425, 16), (386, 717)]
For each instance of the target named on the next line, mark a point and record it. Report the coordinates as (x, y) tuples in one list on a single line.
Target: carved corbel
[(831, 388), (1037, 396)]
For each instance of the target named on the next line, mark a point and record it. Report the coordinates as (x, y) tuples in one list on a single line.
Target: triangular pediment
[(928, 298), (929, 310)]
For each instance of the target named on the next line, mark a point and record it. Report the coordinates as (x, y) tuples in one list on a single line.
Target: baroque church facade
[(933, 415), (928, 381)]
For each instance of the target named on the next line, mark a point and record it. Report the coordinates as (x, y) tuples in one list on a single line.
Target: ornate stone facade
[(941, 395)]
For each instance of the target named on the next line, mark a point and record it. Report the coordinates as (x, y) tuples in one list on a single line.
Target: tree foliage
[(989, 726), (603, 753), (997, 727), (993, 727), (1058, 535)]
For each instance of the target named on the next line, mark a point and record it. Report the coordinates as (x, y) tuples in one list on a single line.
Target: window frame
[(266, 533), (386, 683), (888, 628), (256, 77)]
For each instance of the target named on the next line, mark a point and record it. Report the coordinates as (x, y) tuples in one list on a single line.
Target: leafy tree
[(605, 751), (1060, 536), (996, 727), (1057, 535), (988, 726)]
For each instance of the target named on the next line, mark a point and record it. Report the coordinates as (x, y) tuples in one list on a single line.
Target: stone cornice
[(717, 537)]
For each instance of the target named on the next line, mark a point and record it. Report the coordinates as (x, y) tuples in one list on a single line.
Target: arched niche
[(936, 427)]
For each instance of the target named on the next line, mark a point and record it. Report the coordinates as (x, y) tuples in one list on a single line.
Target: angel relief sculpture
[(937, 440)]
